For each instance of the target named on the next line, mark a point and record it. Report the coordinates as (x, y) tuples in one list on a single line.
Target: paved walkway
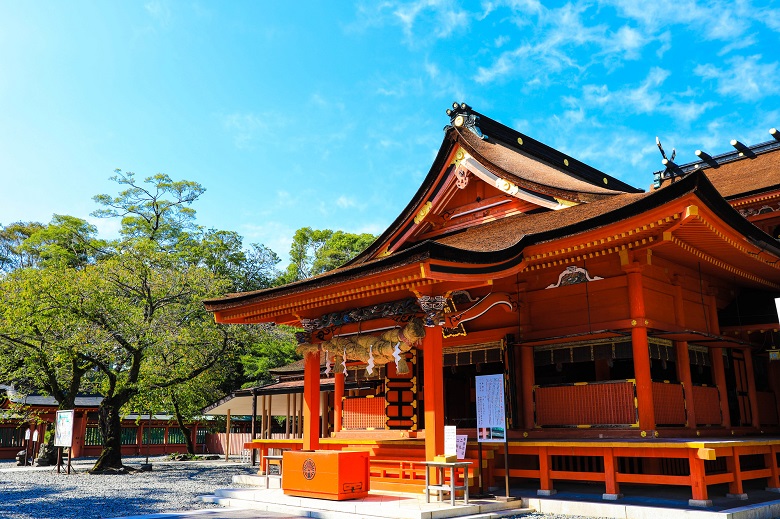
[(219, 513)]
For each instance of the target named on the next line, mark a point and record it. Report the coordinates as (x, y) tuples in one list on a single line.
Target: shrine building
[(635, 331)]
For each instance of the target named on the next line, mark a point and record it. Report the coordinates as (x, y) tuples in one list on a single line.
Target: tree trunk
[(183, 428), (110, 423)]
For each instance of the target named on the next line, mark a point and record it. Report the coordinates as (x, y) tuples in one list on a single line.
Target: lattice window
[(154, 436), (176, 436), (93, 437), (11, 437), (129, 435), (364, 413)]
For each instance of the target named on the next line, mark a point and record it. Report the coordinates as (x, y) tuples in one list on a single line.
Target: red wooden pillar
[(684, 374), (774, 382), (311, 401), (545, 481), (640, 348), (433, 392), (719, 374), (612, 487), (770, 460), (527, 384), (338, 401), (683, 360), (698, 481), (751, 382), (733, 467)]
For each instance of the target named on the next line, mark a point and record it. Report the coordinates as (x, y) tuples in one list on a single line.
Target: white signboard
[(63, 433), (450, 446), (491, 417), (460, 445)]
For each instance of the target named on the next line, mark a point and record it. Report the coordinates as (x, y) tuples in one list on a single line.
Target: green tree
[(158, 210), (66, 241), (38, 342), (223, 254), (339, 248), (147, 309), (274, 346), (314, 251), (12, 255)]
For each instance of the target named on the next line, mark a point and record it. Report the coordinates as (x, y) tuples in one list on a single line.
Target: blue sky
[(328, 114)]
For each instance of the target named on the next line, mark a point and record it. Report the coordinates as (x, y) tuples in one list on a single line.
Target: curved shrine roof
[(505, 233), (527, 171), (513, 156), (747, 175)]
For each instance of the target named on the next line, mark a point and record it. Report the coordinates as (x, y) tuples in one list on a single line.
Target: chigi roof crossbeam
[(741, 151)]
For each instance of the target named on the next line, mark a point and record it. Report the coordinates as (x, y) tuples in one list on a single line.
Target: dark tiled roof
[(517, 143), (507, 232), (746, 176), (528, 171), (739, 173), (339, 275), (501, 242), (50, 401)]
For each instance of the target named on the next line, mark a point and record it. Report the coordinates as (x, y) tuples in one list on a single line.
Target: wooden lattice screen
[(364, 413), (594, 404)]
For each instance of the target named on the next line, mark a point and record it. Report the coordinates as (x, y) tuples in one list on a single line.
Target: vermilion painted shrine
[(636, 331)]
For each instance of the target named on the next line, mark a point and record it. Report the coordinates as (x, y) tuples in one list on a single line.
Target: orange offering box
[(334, 475)]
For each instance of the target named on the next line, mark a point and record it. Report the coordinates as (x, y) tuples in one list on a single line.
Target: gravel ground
[(41, 493)]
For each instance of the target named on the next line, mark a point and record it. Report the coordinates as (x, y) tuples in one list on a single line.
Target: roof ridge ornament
[(461, 116), (671, 170)]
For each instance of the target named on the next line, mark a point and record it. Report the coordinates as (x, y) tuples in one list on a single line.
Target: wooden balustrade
[(594, 404), (669, 404), (767, 407), (706, 400)]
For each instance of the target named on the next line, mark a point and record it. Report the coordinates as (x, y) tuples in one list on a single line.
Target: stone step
[(380, 507), (250, 480)]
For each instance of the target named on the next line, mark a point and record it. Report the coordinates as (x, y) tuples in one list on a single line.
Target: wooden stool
[(272, 461)]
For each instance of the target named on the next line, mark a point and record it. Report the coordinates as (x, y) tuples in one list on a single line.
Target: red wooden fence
[(767, 408), (669, 404), (707, 402), (598, 403)]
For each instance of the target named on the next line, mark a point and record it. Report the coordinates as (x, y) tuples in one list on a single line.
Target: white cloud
[(741, 43), (321, 101), (345, 202), (247, 128), (159, 11), (501, 41), (747, 78), (446, 16), (556, 36), (712, 20), (646, 98), (415, 18)]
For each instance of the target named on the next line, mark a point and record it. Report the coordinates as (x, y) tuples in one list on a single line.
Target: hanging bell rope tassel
[(327, 363)]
